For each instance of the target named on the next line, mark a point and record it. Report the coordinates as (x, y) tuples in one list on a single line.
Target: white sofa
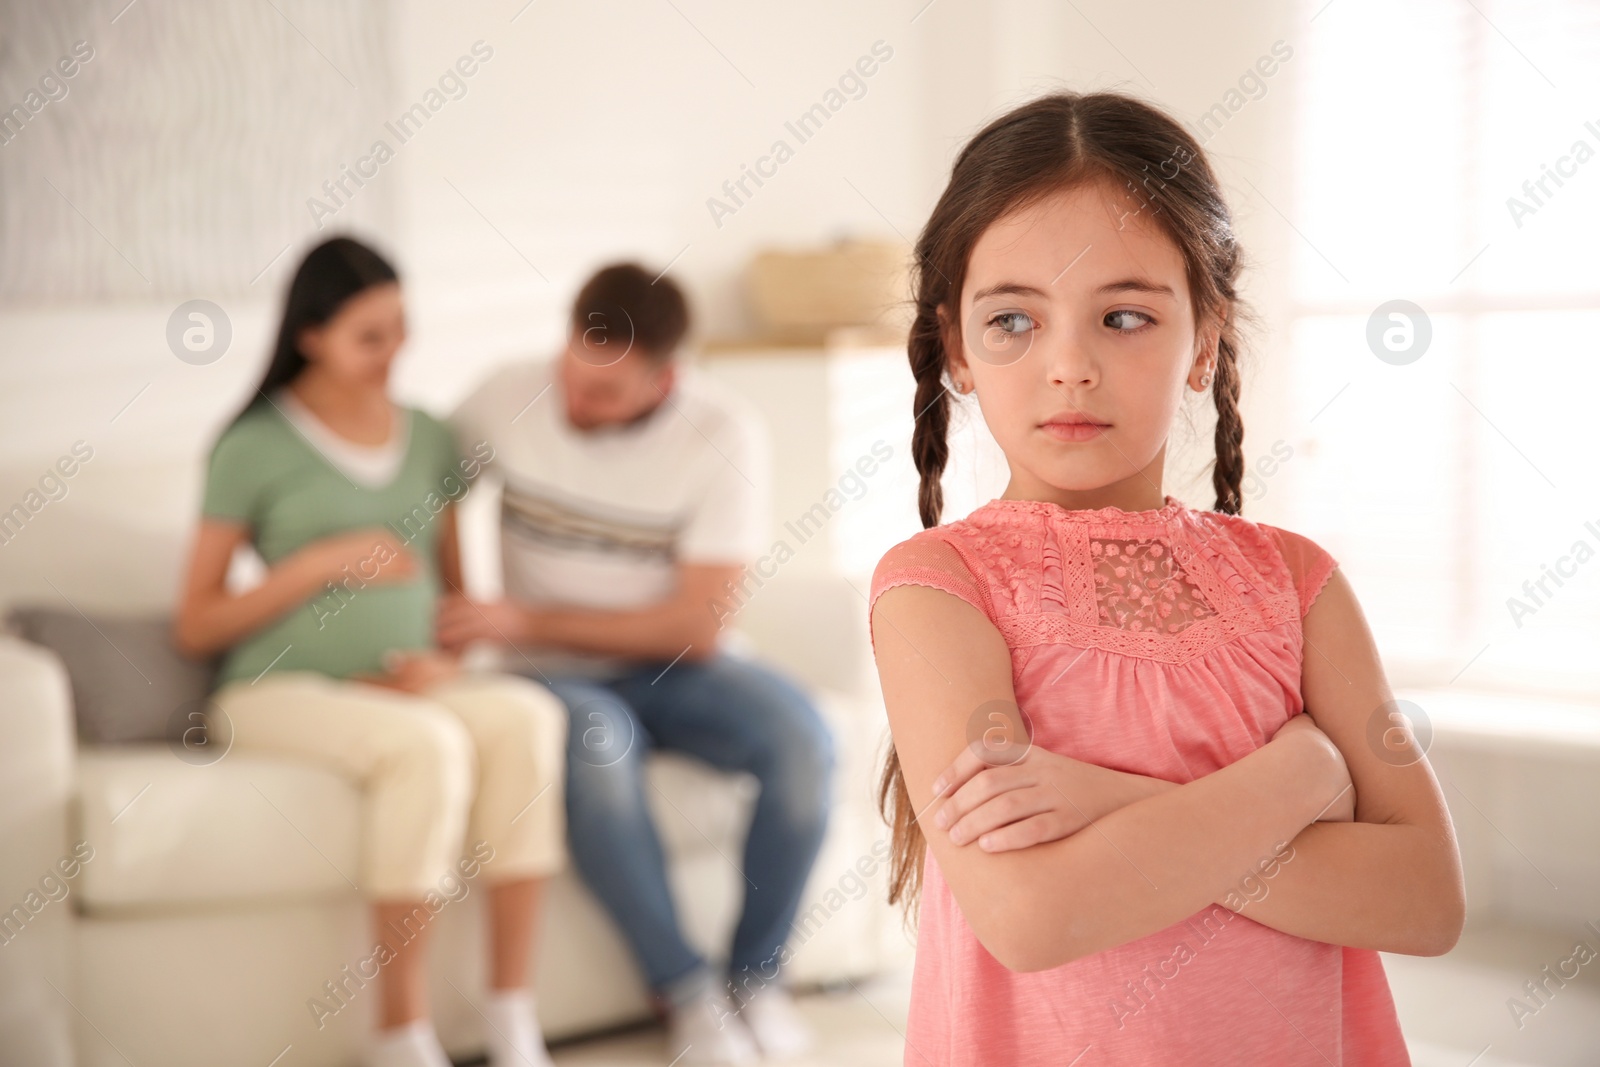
[(214, 909)]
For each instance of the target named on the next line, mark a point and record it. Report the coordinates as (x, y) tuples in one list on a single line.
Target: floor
[(858, 1025), (1452, 1008)]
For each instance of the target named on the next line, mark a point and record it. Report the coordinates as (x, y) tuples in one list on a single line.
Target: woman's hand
[(373, 554), (211, 617), (1342, 808), (413, 672)]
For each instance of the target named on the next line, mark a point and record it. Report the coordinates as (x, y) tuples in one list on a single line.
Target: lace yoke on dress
[(1167, 584)]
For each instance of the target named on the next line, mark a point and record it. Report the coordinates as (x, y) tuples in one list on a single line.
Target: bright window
[(1449, 155)]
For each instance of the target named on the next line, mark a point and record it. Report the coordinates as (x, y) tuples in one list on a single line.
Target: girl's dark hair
[(1040, 148), (330, 275)]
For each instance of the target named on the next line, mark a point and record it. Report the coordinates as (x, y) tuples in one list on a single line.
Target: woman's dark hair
[(330, 275), (1040, 148)]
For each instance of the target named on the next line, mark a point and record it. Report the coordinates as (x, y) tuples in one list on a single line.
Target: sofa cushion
[(170, 832), (128, 682), (252, 828)]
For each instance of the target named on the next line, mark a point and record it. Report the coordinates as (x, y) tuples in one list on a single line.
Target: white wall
[(592, 132)]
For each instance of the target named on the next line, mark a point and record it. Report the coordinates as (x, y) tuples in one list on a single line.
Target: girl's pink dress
[(1166, 643)]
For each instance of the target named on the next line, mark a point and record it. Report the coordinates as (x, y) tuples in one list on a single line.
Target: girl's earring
[(1205, 381)]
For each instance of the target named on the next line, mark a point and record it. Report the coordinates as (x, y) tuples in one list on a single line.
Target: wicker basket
[(803, 294)]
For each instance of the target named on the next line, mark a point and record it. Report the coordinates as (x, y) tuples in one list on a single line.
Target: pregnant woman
[(348, 498)]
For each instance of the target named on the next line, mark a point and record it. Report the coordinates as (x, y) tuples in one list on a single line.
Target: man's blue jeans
[(730, 712)]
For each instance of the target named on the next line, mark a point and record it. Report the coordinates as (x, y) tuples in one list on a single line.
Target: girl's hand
[(374, 554), (1342, 808), (413, 672), (1015, 805), (1043, 796)]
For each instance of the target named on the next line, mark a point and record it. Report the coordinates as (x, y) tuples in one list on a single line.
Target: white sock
[(708, 1029), (514, 1037), (779, 1029), (411, 1045)]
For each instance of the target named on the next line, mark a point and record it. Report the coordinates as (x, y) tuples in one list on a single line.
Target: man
[(634, 493)]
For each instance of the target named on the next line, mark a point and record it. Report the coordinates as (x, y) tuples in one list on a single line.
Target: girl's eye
[(1126, 321), (1011, 322)]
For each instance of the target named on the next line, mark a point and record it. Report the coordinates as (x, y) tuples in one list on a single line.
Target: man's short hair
[(633, 307)]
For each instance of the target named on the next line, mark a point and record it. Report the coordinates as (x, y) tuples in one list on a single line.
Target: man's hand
[(413, 672), (460, 621)]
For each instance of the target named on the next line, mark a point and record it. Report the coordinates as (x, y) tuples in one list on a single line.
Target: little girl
[(349, 498), (1086, 653)]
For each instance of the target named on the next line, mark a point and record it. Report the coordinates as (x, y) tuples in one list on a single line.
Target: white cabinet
[(839, 416)]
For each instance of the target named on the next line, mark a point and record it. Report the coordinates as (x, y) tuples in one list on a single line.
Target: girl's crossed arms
[(1374, 861)]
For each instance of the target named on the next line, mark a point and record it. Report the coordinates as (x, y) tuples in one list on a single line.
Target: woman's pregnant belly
[(340, 635)]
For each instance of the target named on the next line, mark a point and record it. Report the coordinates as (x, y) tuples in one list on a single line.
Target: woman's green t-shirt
[(265, 474)]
